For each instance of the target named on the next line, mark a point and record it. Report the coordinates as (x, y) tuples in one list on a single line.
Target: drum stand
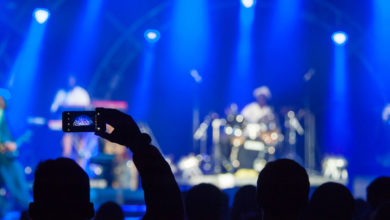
[(200, 134), (309, 123), (310, 141), (219, 160), (293, 128)]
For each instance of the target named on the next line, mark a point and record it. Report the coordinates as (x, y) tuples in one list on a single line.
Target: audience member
[(206, 202), (109, 211), (382, 212), (378, 192), (244, 204), (61, 191), (331, 201), (282, 190)]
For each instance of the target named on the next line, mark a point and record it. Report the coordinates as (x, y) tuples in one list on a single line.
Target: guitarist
[(11, 172)]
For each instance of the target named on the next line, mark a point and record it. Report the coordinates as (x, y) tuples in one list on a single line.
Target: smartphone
[(79, 121)]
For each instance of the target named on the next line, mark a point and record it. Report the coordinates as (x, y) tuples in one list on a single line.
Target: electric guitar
[(6, 154)]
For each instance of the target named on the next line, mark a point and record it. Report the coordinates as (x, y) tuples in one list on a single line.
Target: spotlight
[(248, 3), (152, 36), (339, 37), (41, 15)]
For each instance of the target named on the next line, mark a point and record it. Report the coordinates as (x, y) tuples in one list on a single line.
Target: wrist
[(142, 140)]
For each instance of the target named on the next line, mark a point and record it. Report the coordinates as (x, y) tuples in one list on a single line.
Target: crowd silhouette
[(245, 205), (206, 201), (109, 211), (61, 189)]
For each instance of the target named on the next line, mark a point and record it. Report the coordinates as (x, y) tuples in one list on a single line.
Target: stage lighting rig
[(152, 36), (41, 15), (248, 3), (339, 38)]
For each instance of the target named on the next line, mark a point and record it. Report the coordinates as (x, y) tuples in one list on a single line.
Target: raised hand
[(118, 127)]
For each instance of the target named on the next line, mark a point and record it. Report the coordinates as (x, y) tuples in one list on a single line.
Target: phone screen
[(78, 121)]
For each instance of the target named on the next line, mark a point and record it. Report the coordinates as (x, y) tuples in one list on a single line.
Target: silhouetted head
[(207, 202), (331, 201), (378, 192), (61, 191), (282, 189), (382, 212), (244, 204), (109, 211)]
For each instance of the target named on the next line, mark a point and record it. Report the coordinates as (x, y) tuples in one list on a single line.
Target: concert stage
[(219, 85)]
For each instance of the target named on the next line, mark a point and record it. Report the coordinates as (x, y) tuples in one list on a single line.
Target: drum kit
[(250, 145), (240, 144)]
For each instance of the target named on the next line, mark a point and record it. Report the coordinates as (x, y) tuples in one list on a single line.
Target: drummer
[(259, 111), (261, 131)]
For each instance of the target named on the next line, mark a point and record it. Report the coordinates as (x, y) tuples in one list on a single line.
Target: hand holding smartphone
[(125, 129)]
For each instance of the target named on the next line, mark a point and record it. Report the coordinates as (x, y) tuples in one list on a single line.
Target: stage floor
[(226, 181)]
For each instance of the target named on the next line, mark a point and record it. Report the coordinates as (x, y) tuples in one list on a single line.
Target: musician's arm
[(246, 111), (6, 138), (58, 100), (249, 113), (6, 135)]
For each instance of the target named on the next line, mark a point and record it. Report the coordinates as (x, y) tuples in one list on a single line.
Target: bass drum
[(257, 145), (252, 155)]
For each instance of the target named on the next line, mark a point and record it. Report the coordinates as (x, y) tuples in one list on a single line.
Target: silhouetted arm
[(162, 194)]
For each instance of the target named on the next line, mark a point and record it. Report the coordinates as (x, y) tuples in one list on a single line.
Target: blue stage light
[(152, 36), (248, 3), (41, 15), (339, 37)]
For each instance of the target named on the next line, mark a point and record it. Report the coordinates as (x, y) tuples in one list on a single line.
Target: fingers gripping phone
[(81, 121)]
